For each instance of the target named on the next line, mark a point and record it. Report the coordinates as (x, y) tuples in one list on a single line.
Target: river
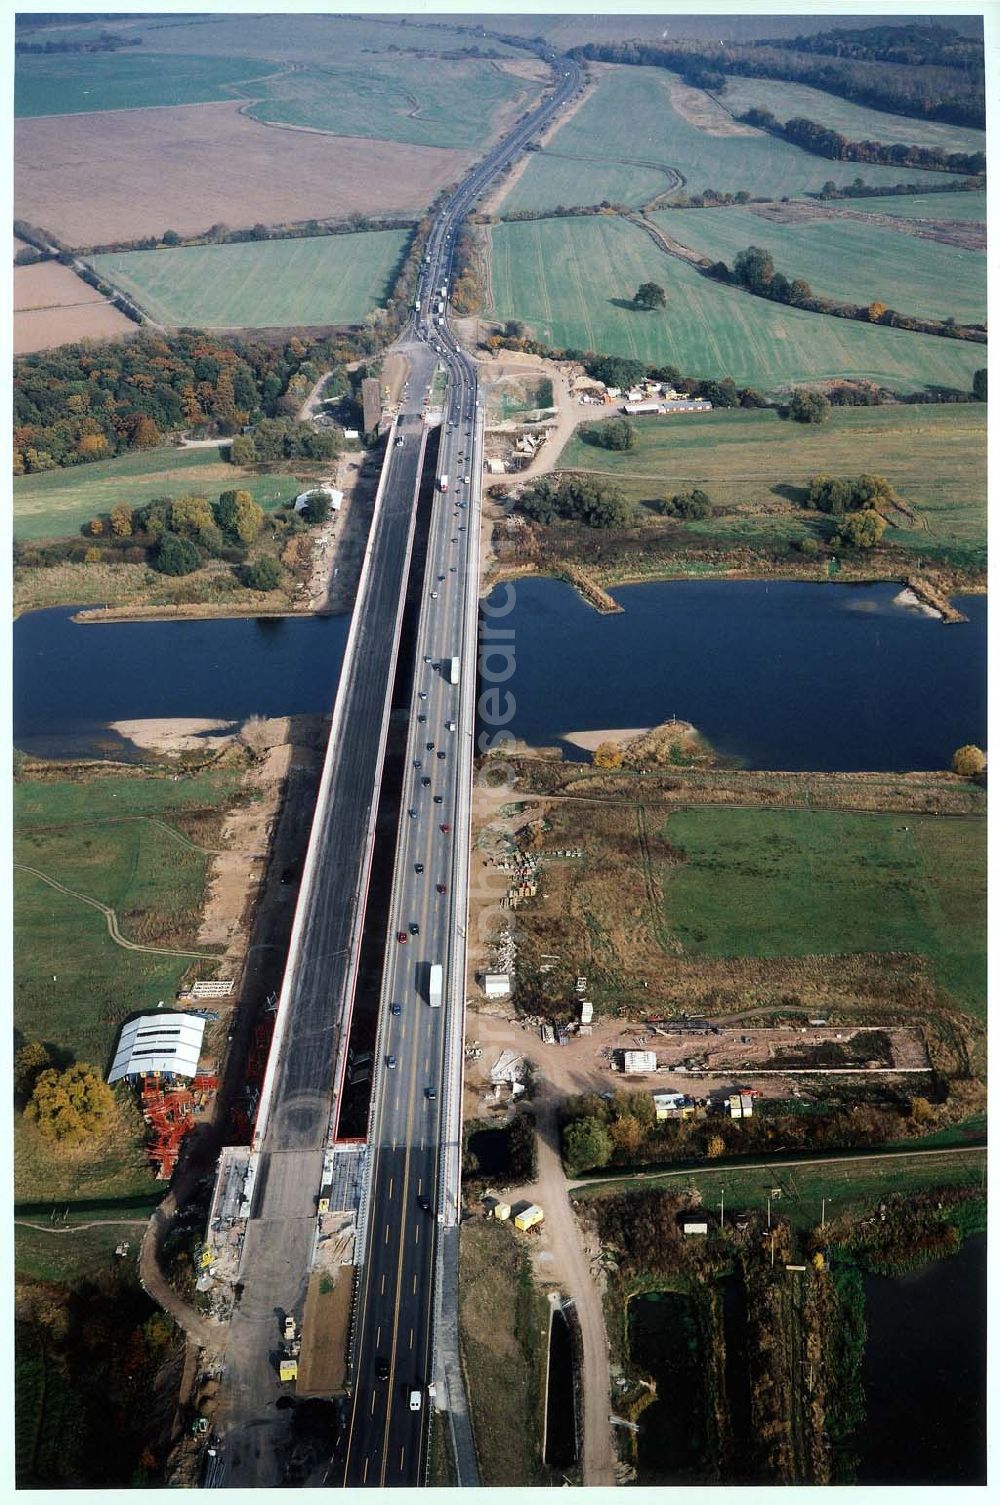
[(780, 675)]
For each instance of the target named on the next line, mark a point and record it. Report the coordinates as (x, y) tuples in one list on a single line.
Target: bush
[(263, 575), (70, 1106), (176, 556), (969, 761), (809, 407), (616, 433), (29, 1062), (315, 508), (688, 505), (861, 530), (586, 1145)]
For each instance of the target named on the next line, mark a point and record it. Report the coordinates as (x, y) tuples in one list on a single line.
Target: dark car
[(424, 1204), (412, 813), (441, 754), (416, 762), (390, 1061), (382, 1369), (425, 781), (442, 888), (418, 867), (421, 718), (439, 799), (395, 1008), (430, 747), (430, 1093), (414, 928), (446, 828)]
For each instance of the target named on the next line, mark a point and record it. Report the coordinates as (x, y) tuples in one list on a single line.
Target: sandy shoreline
[(591, 740), (176, 734)]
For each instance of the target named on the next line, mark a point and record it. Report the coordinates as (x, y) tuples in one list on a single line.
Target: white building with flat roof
[(496, 984), (638, 1060)]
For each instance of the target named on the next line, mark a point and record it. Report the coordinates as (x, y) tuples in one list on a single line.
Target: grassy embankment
[(755, 468), (504, 1327), (318, 280), (78, 82), (134, 842)]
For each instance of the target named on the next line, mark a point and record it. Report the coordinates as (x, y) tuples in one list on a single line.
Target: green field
[(844, 1185), (74, 83), (856, 122), (618, 143), (73, 985), (77, 1255), (934, 455), (572, 281), (319, 279), (416, 100), (846, 260), (814, 883), (57, 503), (946, 206)]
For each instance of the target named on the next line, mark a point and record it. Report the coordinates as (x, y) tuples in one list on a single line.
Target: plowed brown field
[(53, 306), (121, 174)]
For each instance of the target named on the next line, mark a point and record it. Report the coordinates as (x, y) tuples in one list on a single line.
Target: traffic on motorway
[(394, 1348)]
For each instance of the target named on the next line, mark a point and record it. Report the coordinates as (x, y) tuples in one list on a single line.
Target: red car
[(401, 937), (446, 828)]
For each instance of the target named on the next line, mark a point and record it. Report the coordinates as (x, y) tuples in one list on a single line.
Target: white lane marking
[(414, 1285), (402, 1453), (381, 1289), (391, 1183), (387, 1232), (364, 1476), (416, 1234), (373, 1403), (378, 1336), (411, 1337)]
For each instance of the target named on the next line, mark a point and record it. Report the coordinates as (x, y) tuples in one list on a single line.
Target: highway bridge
[(408, 1234)]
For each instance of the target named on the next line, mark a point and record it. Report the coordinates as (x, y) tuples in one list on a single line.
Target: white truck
[(453, 670), (443, 482), (434, 985)]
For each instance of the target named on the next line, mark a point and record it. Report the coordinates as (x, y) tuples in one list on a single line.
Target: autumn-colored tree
[(70, 1106), (92, 446), (239, 515), (716, 1146), (29, 1062), (969, 761), (121, 520), (92, 556), (861, 530), (243, 451), (96, 527), (626, 1135), (876, 312), (192, 517), (607, 755), (145, 434)]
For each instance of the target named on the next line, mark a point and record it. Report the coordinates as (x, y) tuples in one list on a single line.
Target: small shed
[(586, 1012), (495, 467), (529, 1217), (501, 1211), (694, 1225), (638, 1061), (496, 984), (741, 1105)]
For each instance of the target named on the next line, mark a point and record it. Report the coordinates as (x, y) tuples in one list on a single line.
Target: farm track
[(112, 919), (152, 820), (77, 1227)]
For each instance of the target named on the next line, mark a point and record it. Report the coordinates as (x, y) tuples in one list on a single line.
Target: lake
[(780, 675), (71, 679)]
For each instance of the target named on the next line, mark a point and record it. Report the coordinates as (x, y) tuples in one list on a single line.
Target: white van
[(414, 1400)]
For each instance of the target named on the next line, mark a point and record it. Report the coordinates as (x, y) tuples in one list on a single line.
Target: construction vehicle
[(434, 985)]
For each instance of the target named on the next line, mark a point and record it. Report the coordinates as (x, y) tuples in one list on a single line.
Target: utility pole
[(722, 1208), (769, 1212), (823, 1220), (772, 1249)]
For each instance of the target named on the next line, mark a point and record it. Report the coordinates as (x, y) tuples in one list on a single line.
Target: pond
[(924, 1374), (780, 675), (72, 679)]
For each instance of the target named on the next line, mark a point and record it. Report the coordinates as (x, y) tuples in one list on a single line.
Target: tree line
[(916, 45), (956, 95), (755, 272), (822, 141)]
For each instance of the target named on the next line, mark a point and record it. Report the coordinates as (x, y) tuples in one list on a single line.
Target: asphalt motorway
[(279, 1243), (394, 1364)]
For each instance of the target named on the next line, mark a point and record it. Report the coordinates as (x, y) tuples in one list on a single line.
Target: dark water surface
[(785, 675), (560, 1422), (71, 679), (924, 1374)]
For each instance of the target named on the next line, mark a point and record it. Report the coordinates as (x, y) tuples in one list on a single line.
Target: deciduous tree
[(649, 295), (969, 761), (70, 1106)]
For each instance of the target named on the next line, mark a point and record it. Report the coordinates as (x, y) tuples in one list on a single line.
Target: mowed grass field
[(425, 102), (74, 985), (572, 281), (857, 122), (57, 503), (322, 279), (629, 120), (969, 206), (814, 883), (846, 259), (934, 455), (73, 83)]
